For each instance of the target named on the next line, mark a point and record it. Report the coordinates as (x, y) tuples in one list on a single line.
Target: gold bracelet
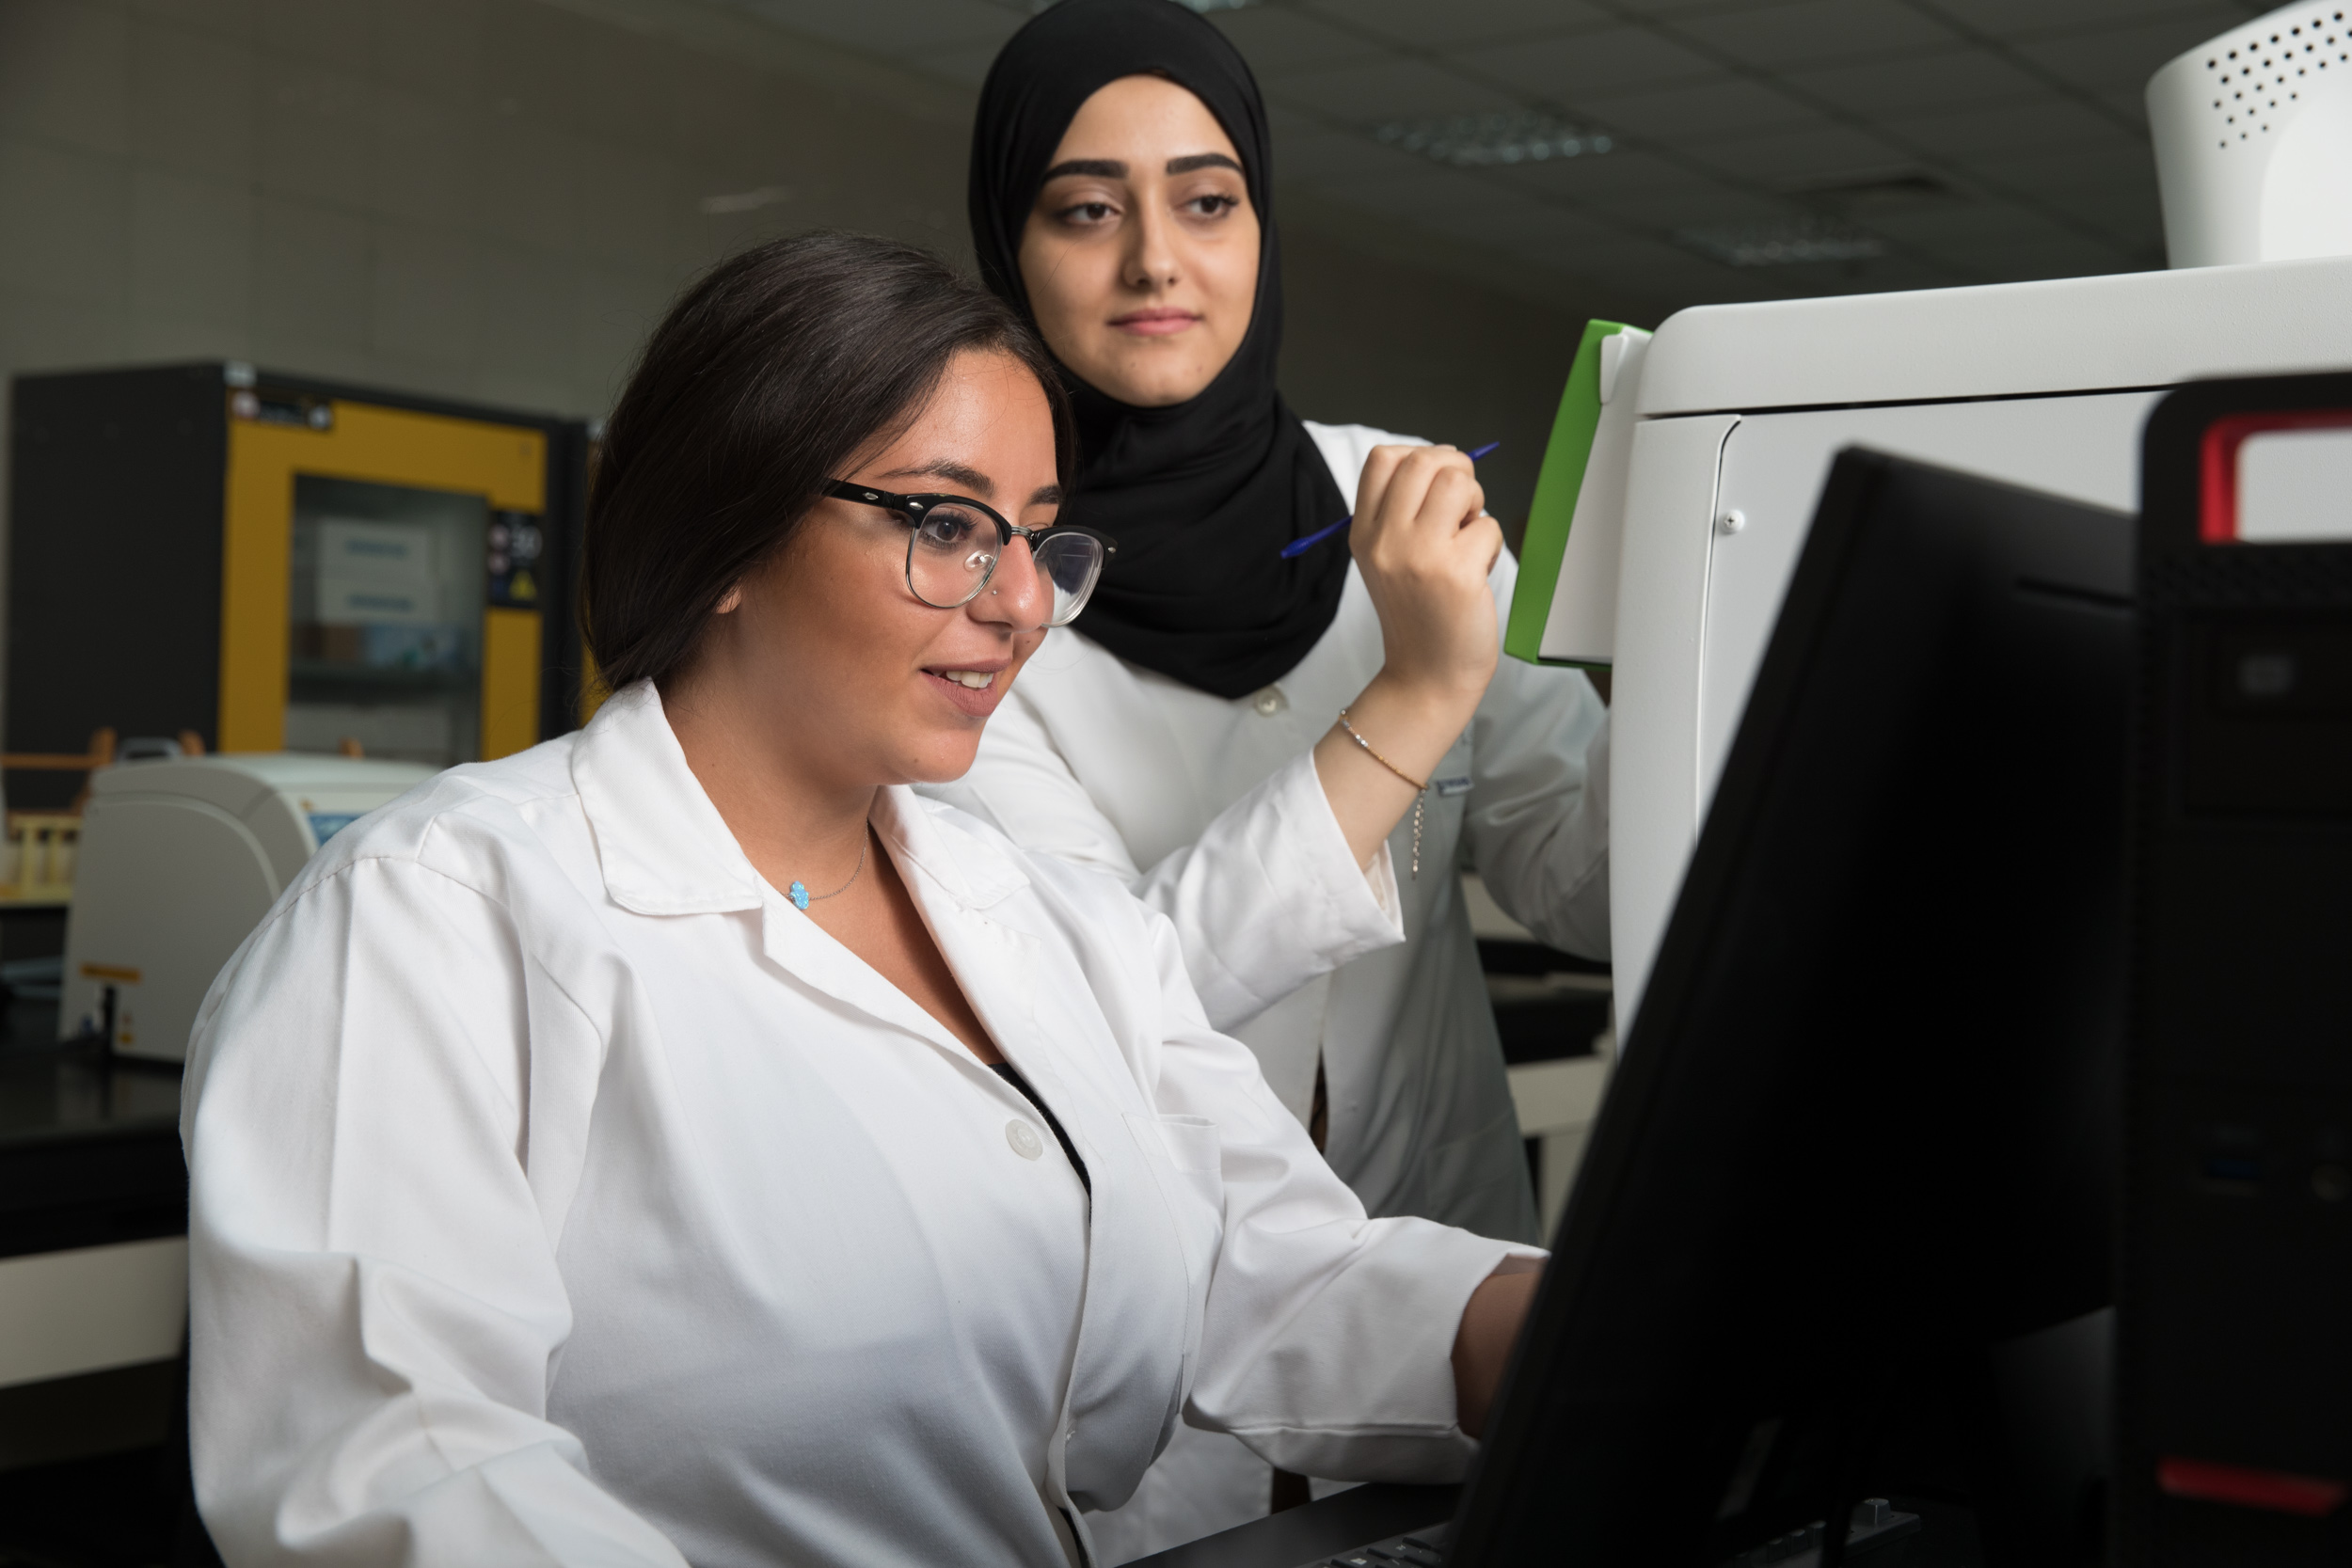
[(1376, 756), (1421, 790)]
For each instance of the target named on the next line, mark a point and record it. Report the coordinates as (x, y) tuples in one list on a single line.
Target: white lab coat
[(561, 1194), (1212, 811)]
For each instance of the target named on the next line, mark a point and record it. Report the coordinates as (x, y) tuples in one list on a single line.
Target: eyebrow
[(1202, 160), (952, 471), (1112, 168), (972, 478)]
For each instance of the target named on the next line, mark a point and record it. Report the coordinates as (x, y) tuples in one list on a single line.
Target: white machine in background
[(2253, 133), (1741, 408), (1738, 410), (180, 858)]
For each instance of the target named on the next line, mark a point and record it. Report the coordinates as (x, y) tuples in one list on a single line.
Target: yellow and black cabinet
[(284, 565)]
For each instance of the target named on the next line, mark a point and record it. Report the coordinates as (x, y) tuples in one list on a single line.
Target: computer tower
[(276, 562), (2234, 1362)]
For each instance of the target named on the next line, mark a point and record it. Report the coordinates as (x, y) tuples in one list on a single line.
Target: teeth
[(977, 680)]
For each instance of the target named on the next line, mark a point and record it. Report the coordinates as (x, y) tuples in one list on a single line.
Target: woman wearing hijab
[(1288, 756)]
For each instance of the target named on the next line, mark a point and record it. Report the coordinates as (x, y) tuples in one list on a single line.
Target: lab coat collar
[(665, 849), (966, 867), (952, 878), (662, 845)]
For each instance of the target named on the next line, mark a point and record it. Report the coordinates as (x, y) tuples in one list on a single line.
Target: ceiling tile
[(1419, 23), (1590, 65), (1667, 8), (2062, 257), (2127, 108), (1914, 82), (1277, 39), (2118, 58), (1580, 179), (1316, 153), (2015, 19), (2117, 165), (1973, 223), (1547, 227), (895, 28), (1789, 160), (1814, 31), (966, 63), (1696, 207), (1663, 270), (1674, 116), (2016, 127), (1366, 95), (1449, 199)]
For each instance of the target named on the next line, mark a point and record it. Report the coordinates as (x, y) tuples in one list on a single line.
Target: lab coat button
[(1023, 1139), (1269, 702)]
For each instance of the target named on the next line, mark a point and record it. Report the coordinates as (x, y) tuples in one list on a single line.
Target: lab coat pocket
[(1193, 1146), (1185, 1154)]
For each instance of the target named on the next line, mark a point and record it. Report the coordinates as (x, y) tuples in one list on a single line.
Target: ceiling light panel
[(1789, 243), (1482, 141)]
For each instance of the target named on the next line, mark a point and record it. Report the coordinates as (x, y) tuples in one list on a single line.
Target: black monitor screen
[(1847, 1206)]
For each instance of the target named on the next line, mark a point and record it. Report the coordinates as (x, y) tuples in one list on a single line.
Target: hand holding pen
[(1424, 546), (1300, 546), (1424, 549)]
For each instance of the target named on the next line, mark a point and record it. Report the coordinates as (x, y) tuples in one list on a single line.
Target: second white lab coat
[(1212, 811), (560, 1193)]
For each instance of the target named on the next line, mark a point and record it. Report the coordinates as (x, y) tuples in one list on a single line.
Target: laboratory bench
[(93, 1299)]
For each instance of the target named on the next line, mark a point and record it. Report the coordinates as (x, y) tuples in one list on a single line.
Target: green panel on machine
[(1557, 487)]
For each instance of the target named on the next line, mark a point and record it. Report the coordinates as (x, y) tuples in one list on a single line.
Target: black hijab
[(1200, 495)]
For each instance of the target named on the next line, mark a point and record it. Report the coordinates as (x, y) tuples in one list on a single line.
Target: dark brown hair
[(775, 370)]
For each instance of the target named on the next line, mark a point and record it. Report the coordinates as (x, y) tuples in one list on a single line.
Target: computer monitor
[(1843, 1227)]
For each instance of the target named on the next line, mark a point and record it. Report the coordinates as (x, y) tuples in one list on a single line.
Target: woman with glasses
[(1290, 752), (681, 1141)]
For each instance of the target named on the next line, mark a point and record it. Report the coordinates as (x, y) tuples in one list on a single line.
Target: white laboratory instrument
[(1740, 410), (181, 858), (2253, 139)]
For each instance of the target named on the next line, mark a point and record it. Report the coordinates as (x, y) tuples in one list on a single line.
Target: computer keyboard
[(1423, 1548), (1877, 1524)]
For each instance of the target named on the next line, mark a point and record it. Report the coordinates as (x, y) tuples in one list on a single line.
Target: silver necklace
[(802, 898)]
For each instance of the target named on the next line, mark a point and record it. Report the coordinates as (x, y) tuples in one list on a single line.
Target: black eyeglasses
[(951, 556)]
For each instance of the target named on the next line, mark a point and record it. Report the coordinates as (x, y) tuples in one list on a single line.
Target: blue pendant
[(797, 891)]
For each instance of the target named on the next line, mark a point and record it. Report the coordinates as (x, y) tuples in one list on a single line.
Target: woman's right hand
[(1425, 544)]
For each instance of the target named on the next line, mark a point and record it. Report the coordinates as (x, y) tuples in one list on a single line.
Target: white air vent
[(2257, 76), (2253, 136)]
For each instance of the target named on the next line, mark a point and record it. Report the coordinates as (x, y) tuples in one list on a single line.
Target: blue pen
[(1300, 546)]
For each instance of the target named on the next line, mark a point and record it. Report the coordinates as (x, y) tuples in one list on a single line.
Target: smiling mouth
[(978, 680)]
